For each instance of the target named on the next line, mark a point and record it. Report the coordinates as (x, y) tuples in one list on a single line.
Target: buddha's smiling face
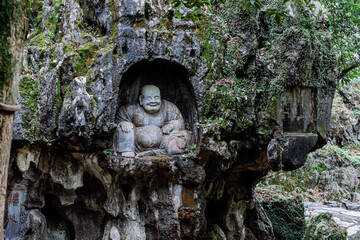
[(150, 98)]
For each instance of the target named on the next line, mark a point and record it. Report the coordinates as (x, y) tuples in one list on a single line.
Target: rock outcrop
[(329, 180), (332, 172), (256, 96)]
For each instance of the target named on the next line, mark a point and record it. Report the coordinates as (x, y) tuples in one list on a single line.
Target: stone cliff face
[(256, 96), (328, 181)]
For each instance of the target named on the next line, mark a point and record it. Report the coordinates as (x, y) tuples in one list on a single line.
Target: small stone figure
[(151, 127)]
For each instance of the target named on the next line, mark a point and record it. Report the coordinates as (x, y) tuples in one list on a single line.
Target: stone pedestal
[(155, 197)]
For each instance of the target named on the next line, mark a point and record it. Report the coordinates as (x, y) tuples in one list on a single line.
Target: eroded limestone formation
[(151, 127), (241, 82)]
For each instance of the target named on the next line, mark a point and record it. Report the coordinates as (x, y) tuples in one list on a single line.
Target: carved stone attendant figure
[(152, 126)]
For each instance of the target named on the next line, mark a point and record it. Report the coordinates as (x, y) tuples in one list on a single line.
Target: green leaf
[(258, 4), (283, 14), (277, 18), (271, 12), (188, 5), (177, 4), (207, 2)]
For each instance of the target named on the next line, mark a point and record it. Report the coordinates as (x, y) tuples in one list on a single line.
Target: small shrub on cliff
[(324, 227), (349, 154), (287, 218)]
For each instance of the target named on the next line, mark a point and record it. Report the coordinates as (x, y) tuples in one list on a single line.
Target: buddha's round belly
[(149, 136)]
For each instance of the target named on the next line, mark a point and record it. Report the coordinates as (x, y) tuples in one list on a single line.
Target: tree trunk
[(13, 23)]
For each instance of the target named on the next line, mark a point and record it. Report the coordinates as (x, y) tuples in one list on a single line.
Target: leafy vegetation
[(287, 218), (344, 25), (226, 98), (349, 153), (11, 15), (323, 226), (320, 167), (5, 54)]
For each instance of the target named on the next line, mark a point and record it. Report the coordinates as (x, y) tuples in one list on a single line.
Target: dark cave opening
[(126, 189), (56, 217)]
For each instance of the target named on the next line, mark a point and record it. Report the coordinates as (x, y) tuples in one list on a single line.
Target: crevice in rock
[(124, 49), (141, 207), (126, 189), (214, 211), (56, 217), (115, 50), (94, 186), (147, 10), (239, 73)]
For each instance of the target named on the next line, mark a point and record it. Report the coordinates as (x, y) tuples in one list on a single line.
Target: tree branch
[(339, 43), (345, 71)]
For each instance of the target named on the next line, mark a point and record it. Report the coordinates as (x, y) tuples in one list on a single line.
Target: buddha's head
[(150, 98)]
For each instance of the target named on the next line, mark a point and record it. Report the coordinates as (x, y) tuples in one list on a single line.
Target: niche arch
[(174, 84)]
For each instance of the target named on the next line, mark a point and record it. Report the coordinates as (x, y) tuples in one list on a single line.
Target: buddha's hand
[(126, 126), (166, 129)]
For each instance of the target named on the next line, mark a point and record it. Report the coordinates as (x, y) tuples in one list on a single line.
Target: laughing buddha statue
[(153, 126)]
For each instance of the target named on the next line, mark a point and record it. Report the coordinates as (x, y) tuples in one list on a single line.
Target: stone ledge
[(183, 167)]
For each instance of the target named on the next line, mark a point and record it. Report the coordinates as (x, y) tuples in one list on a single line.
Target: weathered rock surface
[(256, 95), (326, 176), (347, 219), (330, 176), (332, 172)]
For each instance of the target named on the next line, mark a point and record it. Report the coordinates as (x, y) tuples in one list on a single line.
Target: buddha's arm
[(177, 124), (124, 138), (125, 124), (125, 113), (175, 121)]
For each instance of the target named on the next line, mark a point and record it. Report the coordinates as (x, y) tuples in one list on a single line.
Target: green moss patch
[(30, 93), (85, 57), (225, 101), (287, 217), (347, 154), (5, 54), (323, 227), (82, 60)]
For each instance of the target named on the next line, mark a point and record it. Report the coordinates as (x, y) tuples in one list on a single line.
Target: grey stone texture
[(255, 95)]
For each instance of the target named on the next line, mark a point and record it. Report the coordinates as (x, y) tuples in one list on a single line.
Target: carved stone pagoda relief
[(157, 111)]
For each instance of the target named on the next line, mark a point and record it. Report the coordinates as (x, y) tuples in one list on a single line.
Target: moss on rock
[(5, 54), (30, 93), (287, 217), (322, 227)]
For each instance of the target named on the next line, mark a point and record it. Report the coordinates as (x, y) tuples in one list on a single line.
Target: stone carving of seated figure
[(151, 127)]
